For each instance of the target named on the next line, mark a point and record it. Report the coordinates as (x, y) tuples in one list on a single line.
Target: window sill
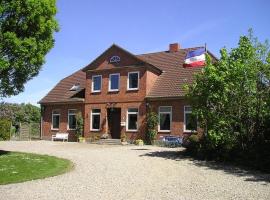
[(53, 129), (132, 89), (189, 131), (131, 130), (69, 129), (113, 90), (94, 92), (95, 130), (164, 131)]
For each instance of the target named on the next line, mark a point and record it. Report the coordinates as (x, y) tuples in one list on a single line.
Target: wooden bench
[(60, 136)]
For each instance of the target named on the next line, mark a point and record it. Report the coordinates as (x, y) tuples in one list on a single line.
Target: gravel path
[(132, 172)]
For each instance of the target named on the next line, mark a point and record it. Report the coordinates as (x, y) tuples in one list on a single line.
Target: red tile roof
[(169, 84), (61, 92)]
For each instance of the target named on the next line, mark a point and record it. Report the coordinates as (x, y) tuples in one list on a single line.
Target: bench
[(60, 136)]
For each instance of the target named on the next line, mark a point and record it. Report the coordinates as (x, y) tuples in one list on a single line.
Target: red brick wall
[(123, 95), (177, 126), (124, 106), (47, 132)]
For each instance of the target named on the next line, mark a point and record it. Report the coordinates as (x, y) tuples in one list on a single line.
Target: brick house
[(114, 92)]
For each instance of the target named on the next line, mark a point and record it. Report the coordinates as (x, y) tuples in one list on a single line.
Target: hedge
[(5, 126)]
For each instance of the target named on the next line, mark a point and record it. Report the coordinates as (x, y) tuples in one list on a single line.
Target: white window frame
[(165, 131), (52, 120), (128, 86), (188, 112), (91, 119), (114, 90), (92, 88), (137, 113), (68, 119)]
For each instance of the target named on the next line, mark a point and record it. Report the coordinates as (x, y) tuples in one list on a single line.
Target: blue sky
[(87, 28)]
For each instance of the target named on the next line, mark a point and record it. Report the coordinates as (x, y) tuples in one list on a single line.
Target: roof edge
[(85, 69), (152, 98), (61, 102)]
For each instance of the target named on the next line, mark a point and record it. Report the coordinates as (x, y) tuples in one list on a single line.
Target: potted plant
[(139, 142), (123, 138)]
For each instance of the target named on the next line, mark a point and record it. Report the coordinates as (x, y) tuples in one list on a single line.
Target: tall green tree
[(26, 36), (24, 113), (231, 97)]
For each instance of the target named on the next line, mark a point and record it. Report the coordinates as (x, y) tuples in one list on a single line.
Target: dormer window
[(133, 81), (114, 59), (96, 83), (114, 82), (75, 87)]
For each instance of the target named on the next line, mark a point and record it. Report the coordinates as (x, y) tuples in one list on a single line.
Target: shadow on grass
[(2, 152), (229, 168)]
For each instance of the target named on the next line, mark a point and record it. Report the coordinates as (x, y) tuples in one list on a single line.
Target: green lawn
[(18, 167)]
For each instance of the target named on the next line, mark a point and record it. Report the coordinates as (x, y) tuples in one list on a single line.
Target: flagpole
[(205, 48)]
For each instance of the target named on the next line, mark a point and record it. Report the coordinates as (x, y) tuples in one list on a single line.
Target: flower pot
[(81, 139)]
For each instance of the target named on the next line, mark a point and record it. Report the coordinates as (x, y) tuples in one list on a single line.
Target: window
[(165, 118), (190, 122), (75, 87), (72, 119), (132, 119), (55, 119), (95, 120), (133, 80), (114, 59), (114, 82), (96, 83)]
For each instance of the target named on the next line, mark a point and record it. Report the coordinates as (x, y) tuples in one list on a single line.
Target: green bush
[(192, 143), (152, 122), (151, 135), (232, 103), (79, 125), (5, 126)]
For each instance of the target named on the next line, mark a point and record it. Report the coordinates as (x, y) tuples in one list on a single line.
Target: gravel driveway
[(132, 172)]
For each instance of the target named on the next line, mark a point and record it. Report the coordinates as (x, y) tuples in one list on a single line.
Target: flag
[(195, 58)]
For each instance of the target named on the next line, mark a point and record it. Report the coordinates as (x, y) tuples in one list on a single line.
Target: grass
[(18, 167)]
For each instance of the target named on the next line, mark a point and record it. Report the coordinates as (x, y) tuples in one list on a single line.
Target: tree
[(231, 98), (26, 36), (24, 113)]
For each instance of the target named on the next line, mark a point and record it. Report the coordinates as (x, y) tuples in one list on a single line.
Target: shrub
[(5, 126), (151, 135), (192, 143), (152, 122), (231, 101), (79, 124)]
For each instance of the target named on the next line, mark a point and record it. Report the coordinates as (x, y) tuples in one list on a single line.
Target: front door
[(114, 119)]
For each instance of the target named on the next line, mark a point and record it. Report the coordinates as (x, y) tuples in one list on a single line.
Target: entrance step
[(108, 142)]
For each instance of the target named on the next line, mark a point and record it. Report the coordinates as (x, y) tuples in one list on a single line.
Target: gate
[(27, 131)]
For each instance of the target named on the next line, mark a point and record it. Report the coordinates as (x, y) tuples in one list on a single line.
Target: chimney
[(174, 47)]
